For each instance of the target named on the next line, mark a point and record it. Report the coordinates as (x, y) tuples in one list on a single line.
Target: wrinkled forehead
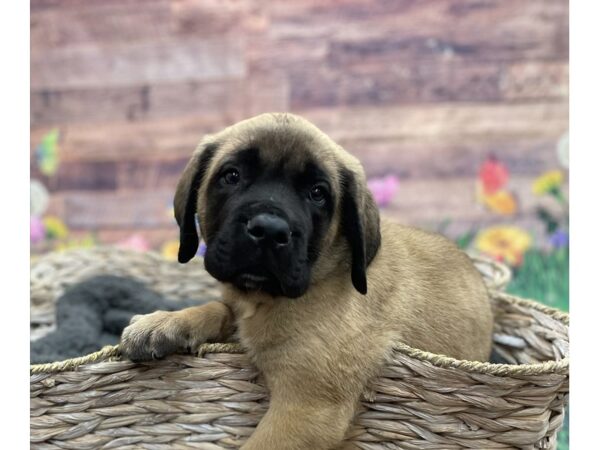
[(281, 147)]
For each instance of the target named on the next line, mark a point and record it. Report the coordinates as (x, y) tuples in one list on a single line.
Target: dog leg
[(310, 424), (153, 336)]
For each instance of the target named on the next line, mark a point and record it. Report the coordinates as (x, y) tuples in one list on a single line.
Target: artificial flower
[(562, 150), (501, 202), (170, 250), (505, 243), (383, 189), (548, 182), (47, 153), (37, 230), (135, 242), (493, 175), (55, 228), (38, 198), (559, 239)]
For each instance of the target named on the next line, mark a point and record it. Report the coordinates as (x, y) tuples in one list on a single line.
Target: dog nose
[(269, 228)]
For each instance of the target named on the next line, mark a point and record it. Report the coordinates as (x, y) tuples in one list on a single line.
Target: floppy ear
[(186, 198), (360, 225)]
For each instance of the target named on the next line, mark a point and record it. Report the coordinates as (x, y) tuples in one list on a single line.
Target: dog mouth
[(252, 281), (252, 271)]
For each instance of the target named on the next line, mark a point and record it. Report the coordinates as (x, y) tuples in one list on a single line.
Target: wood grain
[(65, 25), (394, 83), (155, 101), (307, 87), (535, 79), (168, 60), (124, 209), (442, 122), (425, 90), (447, 159), (450, 123), (505, 30)]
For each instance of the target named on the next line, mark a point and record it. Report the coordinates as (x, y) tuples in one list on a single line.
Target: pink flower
[(383, 189), (37, 231), (135, 242)]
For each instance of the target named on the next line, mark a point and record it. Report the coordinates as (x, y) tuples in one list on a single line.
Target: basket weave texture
[(420, 400)]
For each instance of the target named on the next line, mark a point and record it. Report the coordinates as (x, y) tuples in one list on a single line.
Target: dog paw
[(152, 336)]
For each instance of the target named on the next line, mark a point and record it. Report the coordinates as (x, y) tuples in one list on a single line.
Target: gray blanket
[(93, 313)]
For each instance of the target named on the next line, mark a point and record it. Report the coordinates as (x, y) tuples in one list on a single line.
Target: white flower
[(39, 198), (562, 150)]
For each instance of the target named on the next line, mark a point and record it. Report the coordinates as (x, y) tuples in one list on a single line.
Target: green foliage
[(543, 276), (548, 219)]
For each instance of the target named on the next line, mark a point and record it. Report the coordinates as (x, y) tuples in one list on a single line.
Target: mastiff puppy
[(315, 285)]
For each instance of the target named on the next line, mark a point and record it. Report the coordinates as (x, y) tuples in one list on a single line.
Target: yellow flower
[(55, 228), (548, 181), (170, 250), (505, 243)]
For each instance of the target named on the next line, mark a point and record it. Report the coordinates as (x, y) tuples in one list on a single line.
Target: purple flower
[(559, 239), (37, 231), (383, 189), (202, 249)]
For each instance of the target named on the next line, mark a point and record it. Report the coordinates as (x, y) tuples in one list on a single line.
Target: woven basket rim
[(112, 353), (547, 367)]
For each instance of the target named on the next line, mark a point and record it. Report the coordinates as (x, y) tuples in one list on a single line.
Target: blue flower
[(559, 239)]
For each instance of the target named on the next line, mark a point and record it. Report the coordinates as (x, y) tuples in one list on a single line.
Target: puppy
[(317, 287)]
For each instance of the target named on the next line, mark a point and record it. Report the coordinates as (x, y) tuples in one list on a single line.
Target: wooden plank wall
[(423, 89)]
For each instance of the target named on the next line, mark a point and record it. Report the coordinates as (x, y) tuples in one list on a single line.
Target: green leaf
[(464, 240)]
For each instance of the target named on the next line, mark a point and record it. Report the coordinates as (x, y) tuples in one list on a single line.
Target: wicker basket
[(420, 400)]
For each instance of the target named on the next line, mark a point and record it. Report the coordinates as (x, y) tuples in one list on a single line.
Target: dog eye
[(317, 194), (231, 176)]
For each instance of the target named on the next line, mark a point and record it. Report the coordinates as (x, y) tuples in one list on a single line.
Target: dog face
[(279, 204)]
